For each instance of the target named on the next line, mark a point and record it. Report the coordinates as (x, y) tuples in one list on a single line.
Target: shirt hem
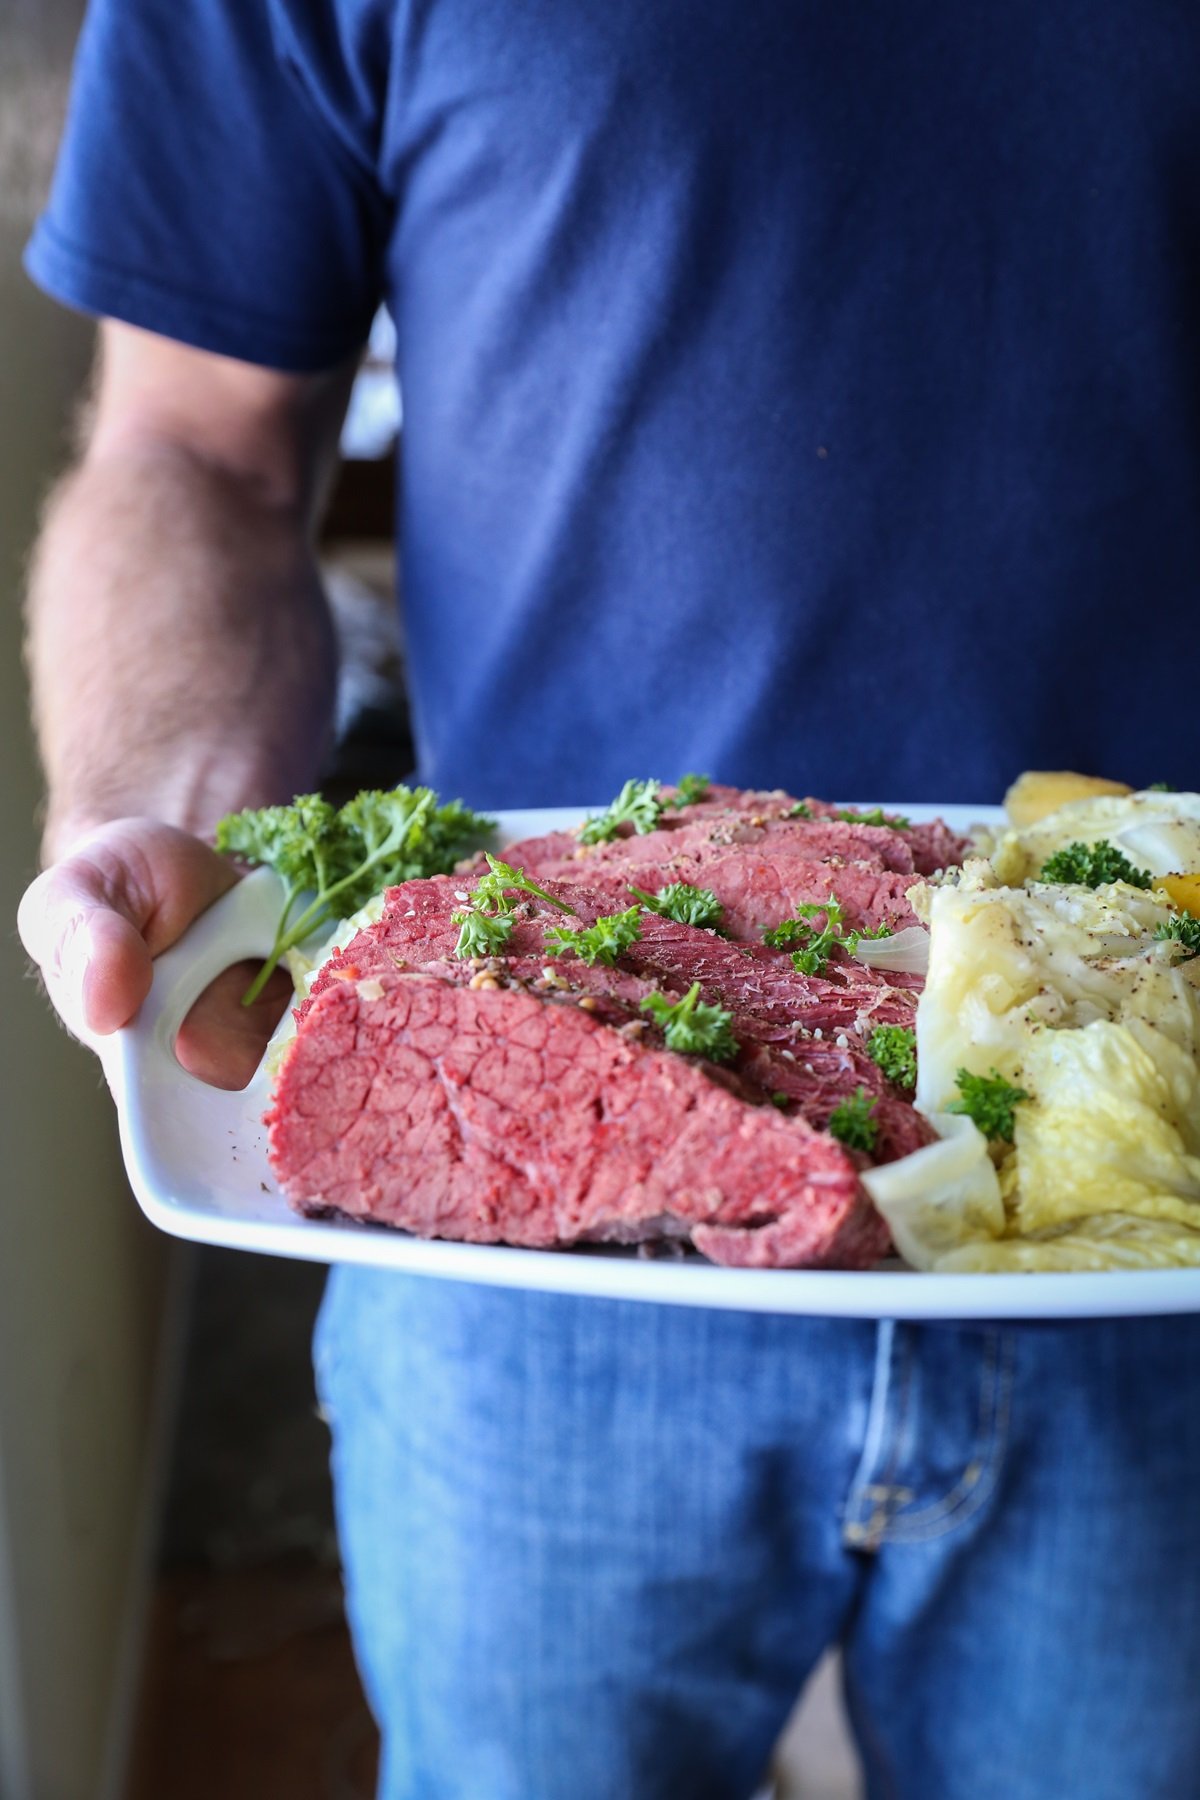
[(105, 290)]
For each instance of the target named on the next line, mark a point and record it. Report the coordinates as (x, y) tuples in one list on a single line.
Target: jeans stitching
[(866, 1537), (967, 1481), (962, 1503)]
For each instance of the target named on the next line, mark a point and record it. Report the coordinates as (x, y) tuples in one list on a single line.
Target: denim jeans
[(592, 1549)]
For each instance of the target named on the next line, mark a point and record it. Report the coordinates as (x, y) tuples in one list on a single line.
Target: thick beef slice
[(775, 1009), (417, 931), (731, 815), (757, 892), (813, 840), (497, 1116)]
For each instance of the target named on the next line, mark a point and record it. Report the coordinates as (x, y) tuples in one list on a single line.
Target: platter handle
[(239, 925)]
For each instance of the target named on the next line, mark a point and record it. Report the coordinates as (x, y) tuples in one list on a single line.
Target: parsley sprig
[(680, 901), (894, 1049), (1185, 930), (877, 816), (990, 1101), (486, 921), (341, 856), (1093, 865), (602, 942), (638, 804), (482, 934), (813, 948), (852, 1123), (690, 789), (690, 1026)]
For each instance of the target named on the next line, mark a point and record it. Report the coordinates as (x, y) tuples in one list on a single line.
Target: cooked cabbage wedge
[(1069, 993)]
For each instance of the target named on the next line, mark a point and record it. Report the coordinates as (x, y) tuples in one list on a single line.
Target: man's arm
[(180, 649)]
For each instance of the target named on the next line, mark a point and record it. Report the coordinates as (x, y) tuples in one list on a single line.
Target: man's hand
[(94, 921)]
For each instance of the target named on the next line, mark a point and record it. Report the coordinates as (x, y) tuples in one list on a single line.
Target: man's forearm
[(181, 650)]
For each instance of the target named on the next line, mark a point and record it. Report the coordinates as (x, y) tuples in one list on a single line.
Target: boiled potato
[(1041, 791)]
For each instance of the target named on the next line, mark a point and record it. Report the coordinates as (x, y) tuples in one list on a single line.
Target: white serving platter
[(197, 1161)]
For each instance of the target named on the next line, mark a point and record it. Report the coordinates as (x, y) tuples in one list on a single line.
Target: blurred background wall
[(82, 1281)]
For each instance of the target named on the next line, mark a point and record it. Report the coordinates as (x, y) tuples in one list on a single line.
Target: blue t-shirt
[(805, 393)]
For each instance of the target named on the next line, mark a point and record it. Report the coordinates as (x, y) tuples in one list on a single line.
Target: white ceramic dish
[(196, 1158)]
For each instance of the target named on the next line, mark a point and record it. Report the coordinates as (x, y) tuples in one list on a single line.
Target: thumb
[(94, 921)]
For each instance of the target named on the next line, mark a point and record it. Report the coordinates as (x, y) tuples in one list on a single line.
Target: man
[(802, 393)]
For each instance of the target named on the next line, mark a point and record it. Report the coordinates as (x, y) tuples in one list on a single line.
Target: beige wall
[(80, 1277)]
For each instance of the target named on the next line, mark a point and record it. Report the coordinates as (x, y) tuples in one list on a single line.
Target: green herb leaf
[(690, 789), (637, 804), (493, 892), (894, 1049), (877, 816), (782, 1101), (680, 901), (691, 1027), (990, 1101), (602, 942), (1159, 787), (851, 1121), (801, 810), (1185, 930), (814, 947), (798, 927), (1093, 865), (336, 859), (482, 934)]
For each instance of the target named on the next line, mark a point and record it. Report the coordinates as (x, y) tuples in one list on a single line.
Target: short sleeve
[(200, 194)]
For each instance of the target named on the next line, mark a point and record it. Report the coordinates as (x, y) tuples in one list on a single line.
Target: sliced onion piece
[(905, 952)]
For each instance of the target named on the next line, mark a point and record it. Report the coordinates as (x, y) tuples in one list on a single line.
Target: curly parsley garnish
[(1093, 865), (894, 1049), (494, 890), (877, 816), (1185, 930), (486, 921), (334, 859), (637, 804), (990, 1101), (482, 934), (693, 1028), (680, 901), (602, 942), (851, 1121), (691, 788), (813, 948)]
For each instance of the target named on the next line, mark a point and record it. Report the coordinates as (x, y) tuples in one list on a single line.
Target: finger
[(93, 921), (221, 1041), (94, 961)]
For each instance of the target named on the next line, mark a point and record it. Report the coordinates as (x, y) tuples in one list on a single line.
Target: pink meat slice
[(802, 1037), (755, 820), (497, 1116), (757, 891)]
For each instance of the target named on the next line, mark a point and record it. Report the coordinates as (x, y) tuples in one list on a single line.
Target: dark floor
[(249, 1687)]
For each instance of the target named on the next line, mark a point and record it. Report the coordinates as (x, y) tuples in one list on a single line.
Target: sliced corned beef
[(495, 1116), (527, 1098)]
